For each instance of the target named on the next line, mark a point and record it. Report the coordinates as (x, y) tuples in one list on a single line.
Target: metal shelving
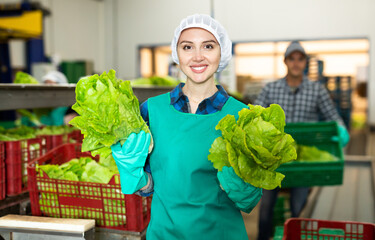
[(143, 93), (16, 96)]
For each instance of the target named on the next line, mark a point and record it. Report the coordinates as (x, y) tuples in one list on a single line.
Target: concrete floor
[(362, 143), (353, 200)]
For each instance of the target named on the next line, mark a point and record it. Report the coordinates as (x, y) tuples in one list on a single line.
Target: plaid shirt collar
[(217, 100), (300, 87)]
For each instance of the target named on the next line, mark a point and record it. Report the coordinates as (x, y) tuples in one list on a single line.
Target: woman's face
[(199, 54)]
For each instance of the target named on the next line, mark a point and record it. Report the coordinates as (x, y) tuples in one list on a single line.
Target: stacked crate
[(340, 90), (314, 68), (17, 155)]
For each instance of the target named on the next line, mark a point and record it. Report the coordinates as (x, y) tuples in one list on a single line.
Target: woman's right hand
[(130, 159)]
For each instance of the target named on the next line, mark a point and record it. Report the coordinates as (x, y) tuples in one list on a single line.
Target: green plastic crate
[(279, 212), (319, 173), (74, 70), (279, 232)]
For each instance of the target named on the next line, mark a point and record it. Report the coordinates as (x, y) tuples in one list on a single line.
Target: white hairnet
[(55, 76), (205, 22)]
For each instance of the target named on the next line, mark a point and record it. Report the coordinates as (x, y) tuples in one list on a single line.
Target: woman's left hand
[(244, 195)]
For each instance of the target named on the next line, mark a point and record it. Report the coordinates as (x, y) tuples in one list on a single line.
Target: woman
[(191, 200)]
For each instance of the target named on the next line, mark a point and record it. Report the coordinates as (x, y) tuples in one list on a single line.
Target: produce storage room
[(268, 109)]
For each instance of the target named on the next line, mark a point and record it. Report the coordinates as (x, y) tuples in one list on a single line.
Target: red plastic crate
[(2, 172), (313, 229), (17, 155), (51, 141), (73, 199), (75, 137)]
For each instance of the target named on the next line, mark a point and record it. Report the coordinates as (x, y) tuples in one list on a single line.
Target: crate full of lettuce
[(320, 159), (69, 183), (21, 146)]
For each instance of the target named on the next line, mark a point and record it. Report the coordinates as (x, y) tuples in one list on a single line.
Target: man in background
[(302, 101)]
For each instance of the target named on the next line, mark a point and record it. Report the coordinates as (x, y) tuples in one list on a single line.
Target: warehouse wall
[(295, 19), (149, 22), (72, 29), (248, 20), (108, 32)]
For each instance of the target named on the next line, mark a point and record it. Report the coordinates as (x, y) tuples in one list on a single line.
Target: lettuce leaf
[(312, 153), (81, 169), (15, 134), (53, 171), (109, 163), (155, 81), (95, 172), (54, 130), (109, 112), (31, 116), (255, 145), (24, 78)]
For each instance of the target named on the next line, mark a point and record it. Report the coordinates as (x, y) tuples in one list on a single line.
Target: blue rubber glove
[(343, 136), (130, 159), (244, 195)]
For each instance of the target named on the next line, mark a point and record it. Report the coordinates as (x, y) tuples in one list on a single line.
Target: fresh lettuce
[(312, 153), (255, 145), (81, 169), (16, 134), (24, 78), (109, 163), (31, 116), (25, 132), (96, 173), (54, 130), (155, 81), (109, 112), (52, 171)]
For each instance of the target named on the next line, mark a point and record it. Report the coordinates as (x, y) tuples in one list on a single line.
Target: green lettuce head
[(108, 112), (24, 78), (255, 145)]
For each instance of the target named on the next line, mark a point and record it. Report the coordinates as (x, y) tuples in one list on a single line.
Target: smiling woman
[(188, 200), (199, 57), (199, 54)]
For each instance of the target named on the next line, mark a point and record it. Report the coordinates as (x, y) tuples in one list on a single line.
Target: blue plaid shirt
[(309, 102), (181, 103)]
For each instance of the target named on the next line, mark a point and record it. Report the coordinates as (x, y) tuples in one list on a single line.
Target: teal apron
[(188, 202)]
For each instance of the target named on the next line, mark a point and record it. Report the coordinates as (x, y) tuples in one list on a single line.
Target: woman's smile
[(199, 68)]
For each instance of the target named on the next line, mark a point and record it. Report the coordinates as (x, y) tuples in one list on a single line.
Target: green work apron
[(188, 202)]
